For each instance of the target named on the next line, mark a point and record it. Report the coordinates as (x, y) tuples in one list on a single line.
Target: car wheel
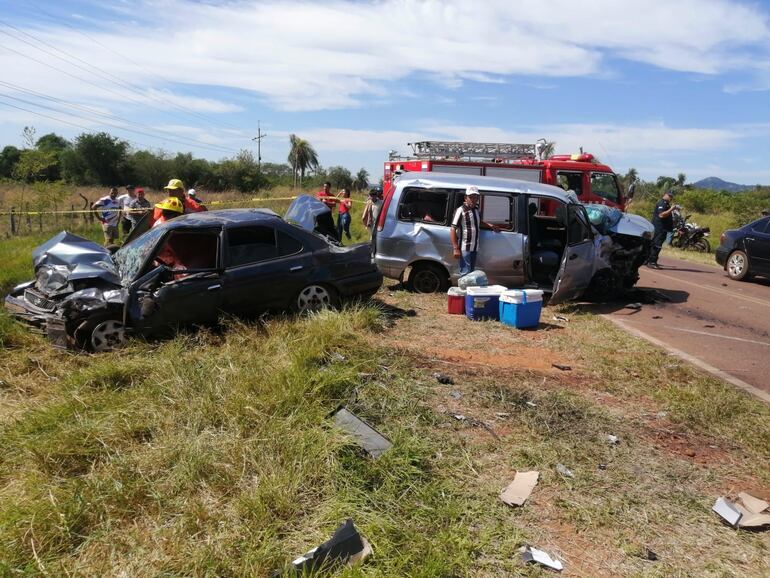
[(427, 278), (315, 298), (101, 334), (737, 265)]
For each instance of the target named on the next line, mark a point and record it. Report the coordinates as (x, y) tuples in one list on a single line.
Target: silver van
[(546, 239)]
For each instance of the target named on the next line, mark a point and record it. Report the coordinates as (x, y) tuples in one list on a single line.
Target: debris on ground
[(444, 379), (531, 404), (746, 512), (346, 546), (602, 466), (560, 318), (502, 414), (709, 326), (634, 306), (564, 471), (613, 440), (372, 441), (562, 367), (455, 394), (657, 317), (459, 417), (645, 553), (520, 488), (533, 555), (335, 356)]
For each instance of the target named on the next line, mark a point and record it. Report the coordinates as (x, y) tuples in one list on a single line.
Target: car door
[(183, 282), (265, 268), (758, 246), (577, 264), (501, 255)]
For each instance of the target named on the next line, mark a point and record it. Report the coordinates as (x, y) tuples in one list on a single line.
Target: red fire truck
[(591, 181)]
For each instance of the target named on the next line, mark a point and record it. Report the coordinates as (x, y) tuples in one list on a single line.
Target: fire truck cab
[(591, 181)]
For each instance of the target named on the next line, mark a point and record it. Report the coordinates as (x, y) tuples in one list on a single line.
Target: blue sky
[(665, 87)]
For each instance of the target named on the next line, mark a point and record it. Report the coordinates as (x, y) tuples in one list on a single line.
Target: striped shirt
[(468, 220)]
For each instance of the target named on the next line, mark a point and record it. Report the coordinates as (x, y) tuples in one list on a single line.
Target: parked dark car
[(746, 251), (189, 271)]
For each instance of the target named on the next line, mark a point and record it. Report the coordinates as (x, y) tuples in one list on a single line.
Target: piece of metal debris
[(635, 306), (372, 441), (346, 546), (613, 440), (502, 414), (560, 318), (746, 512), (531, 404), (533, 555), (562, 367), (459, 417), (564, 471), (520, 488), (602, 466), (444, 379)]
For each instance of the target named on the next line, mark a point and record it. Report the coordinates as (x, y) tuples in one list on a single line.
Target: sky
[(664, 87)]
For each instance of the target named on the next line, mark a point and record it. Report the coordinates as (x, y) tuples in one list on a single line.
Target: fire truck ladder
[(431, 149)]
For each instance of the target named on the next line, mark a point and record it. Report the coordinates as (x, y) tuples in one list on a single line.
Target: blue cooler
[(521, 308), (483, 302)]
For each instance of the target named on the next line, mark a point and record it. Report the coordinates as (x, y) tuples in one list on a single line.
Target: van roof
[(431, 179)]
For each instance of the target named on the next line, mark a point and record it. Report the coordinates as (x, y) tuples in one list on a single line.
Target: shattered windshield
[(131, 257)]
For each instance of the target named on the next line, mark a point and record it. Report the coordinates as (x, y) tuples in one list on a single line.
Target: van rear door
[(577, 264)]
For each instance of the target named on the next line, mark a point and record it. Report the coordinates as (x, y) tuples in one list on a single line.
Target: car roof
[(452, 180), (224, 217)]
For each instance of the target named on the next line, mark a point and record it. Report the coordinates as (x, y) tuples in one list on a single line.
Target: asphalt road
[(722, 323)]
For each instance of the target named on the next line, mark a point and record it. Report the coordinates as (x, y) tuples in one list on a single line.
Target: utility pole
[(258, 138)]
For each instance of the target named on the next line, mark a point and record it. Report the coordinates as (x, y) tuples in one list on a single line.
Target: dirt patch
[(514, 357)]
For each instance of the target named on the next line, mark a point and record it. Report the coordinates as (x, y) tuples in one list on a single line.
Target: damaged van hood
[(608, 220), (67, 258)]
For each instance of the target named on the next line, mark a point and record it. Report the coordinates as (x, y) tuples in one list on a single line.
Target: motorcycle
[(688, 235)]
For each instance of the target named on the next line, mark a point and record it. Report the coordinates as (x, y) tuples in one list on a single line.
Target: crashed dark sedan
[(189, 271)]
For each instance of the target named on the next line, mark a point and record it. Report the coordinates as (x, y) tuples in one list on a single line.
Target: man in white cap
[(193, 194), (464, 233)]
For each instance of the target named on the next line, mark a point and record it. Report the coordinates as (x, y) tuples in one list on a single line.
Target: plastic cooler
[(483, 302), (521, 308), (455, 301)]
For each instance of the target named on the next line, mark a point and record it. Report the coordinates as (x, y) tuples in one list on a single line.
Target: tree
[(665, 183), (52, 142), (339, 177), (680, 179), (28, 134), (547, 149), (151, 169), (362, 180), (302, 156), (631, 176), (104, 158), (9, 156), (35, 165)]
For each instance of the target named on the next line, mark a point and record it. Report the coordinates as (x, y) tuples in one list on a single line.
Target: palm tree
[(362, 180), (547, 150), (680, 179), (302, 156), (631, 176), (664, 183)]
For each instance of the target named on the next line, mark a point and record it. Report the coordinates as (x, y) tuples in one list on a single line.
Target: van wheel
[(427, 278)]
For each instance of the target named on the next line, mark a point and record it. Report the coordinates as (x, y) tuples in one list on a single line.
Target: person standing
[(663, 221), (464, 233), (175, 188), (123, 200), (371, 210), (138, 207), (343, 220), (108, 212), (326, 197)]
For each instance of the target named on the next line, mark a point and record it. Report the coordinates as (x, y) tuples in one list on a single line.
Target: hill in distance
[(718, 184)]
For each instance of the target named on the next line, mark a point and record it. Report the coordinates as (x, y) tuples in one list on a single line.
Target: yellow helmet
[(171, 204), (174, 184)]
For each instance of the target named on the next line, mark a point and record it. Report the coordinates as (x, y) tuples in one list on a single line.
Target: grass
[(213, 453)]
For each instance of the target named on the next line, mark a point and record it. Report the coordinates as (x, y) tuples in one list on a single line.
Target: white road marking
[(718, 335), (730, 294)]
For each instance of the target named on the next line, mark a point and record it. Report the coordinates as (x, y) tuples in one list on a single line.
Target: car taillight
[(722, 239)]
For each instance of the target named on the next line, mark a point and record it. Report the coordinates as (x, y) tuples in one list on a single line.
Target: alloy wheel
[(314, 298), (108, 335)]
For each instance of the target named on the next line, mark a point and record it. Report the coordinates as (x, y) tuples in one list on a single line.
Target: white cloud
[(312, 56)]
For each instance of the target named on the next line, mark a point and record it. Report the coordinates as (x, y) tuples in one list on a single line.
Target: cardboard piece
[(533, 555), (373, 442), (520, 488), (746, 512)]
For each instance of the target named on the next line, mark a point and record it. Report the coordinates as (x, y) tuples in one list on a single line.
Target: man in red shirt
[(175, 188), (326, 197)]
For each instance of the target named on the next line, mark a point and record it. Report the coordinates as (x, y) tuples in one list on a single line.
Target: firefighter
[(175, 188), (168, 208)]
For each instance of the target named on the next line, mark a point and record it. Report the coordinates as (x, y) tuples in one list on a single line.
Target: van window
[(424, 205), (497, 209), (570, 181), (605, 186)]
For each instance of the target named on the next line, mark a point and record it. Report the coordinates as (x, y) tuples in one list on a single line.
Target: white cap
[(191, 192), (471, 191)]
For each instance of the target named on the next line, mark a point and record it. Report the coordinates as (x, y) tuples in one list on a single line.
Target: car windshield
[(131, 257)]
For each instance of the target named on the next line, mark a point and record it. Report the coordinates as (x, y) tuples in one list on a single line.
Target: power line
[(179, 139), (39, 105), (126, 58)]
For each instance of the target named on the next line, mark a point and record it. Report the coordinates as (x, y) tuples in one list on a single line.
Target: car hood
[(65, 258), (312, 215), (608, 220)]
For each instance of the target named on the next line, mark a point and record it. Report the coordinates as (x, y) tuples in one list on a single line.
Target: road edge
[(718, 373)]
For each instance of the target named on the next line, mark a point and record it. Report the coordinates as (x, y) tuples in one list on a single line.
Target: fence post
[(72, 216), (29, 218), (56, 215), (40, 221), (13, 220)]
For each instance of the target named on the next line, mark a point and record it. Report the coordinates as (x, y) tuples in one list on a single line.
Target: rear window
[(425, 205)]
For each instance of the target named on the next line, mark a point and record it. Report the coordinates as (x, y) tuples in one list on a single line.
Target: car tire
[(315, 297), (100, 334), (737, 266), (427, 278)]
